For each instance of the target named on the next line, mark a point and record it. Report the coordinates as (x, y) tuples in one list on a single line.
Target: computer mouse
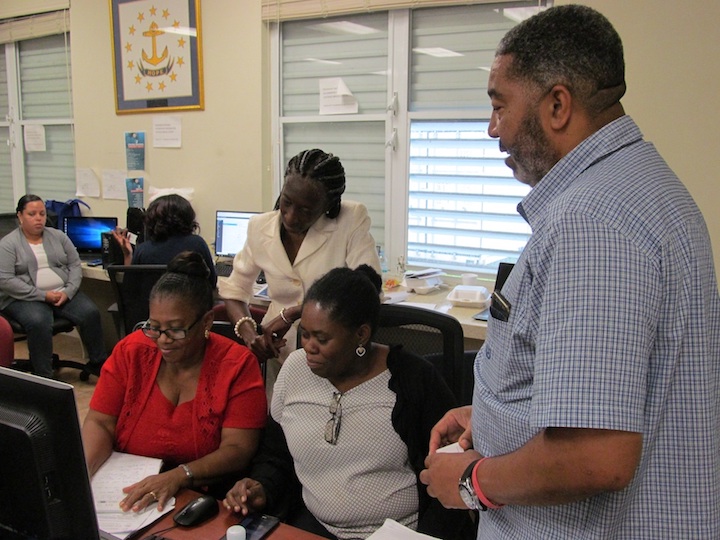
[(197, 511)]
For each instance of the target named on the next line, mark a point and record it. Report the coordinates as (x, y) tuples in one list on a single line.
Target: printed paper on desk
[(392, 530), (118, 471)]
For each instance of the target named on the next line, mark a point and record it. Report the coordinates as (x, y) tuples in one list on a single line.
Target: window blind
[(284, 10), (462, 199), (35, 26), (21, 8), (46, 98)]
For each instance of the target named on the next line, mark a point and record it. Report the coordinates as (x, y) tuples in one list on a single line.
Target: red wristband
[(478, 492)]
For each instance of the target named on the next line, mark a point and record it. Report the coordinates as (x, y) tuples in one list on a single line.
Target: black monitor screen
[(45, 486), (84, 231), (230, 231)]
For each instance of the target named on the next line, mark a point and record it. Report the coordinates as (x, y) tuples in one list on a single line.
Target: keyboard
[(223, 269)]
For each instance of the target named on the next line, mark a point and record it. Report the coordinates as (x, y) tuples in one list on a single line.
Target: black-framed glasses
[(173, 333), (332, 428)]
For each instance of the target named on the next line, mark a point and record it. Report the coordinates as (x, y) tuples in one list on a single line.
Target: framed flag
[(157, 55)]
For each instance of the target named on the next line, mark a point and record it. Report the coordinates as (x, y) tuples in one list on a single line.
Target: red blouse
[(230, 393)]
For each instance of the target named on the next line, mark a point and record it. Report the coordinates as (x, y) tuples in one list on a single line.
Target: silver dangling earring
[(207, 334), (360, 351)]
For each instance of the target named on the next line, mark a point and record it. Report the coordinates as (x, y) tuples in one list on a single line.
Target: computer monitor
[(231, 231), (85, 231), (45, 486)]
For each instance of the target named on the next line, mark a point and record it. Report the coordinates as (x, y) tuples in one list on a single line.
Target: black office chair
[(436, 336), (60, 325), (131, 285)]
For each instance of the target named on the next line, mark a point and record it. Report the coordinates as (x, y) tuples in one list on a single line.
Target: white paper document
[(118, 471), (392, 530), (336, 97)]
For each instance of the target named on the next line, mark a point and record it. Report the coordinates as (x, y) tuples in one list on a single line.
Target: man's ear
[(560, 102)]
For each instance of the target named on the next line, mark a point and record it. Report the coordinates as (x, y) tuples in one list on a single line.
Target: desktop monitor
[(45, 486), (231, 231), (85, 232)]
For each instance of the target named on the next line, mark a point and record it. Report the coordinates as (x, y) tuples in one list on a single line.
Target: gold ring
[(155, 497)]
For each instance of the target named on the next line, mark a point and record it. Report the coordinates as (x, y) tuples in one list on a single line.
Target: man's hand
[(455, 426), (442, 474)]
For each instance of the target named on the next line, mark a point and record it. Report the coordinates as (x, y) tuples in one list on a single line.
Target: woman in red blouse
[(176, 391)]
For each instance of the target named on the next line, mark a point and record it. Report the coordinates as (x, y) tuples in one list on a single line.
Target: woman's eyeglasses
[(332, 428), (173, 333)]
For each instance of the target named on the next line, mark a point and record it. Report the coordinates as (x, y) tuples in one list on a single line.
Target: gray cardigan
[(18, 266)]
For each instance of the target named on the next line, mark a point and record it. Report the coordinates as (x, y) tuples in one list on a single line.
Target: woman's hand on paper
[(156, 489), (247, 495)]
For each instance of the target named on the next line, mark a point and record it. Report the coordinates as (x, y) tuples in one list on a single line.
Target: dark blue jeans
[(37, 319)]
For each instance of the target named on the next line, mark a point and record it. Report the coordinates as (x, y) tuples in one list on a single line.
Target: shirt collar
[(605, 141)]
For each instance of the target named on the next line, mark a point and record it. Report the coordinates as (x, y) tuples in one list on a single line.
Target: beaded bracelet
[(240, 323)]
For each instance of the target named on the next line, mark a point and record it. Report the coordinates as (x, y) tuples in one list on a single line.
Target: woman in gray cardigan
[(40, 276)]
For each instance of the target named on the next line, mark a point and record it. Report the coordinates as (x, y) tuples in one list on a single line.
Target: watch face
[(469, 497)]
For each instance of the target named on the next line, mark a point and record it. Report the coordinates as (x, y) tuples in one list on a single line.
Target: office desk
[(216, 527), (473, 330)]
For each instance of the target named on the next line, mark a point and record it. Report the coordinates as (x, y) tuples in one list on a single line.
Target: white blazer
[(329, 243)]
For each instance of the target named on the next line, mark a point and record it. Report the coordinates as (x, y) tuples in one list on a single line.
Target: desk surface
[(472, 329), (217, 526)]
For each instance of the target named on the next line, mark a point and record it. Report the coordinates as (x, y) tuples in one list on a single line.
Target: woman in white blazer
[(310, 232)]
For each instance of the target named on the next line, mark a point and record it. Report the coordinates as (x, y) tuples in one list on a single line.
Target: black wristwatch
[(467, 491)]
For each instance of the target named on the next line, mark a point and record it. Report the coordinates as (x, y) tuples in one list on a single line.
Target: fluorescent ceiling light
[(320, 61), (438, 52), (344, 27), (519, 14)]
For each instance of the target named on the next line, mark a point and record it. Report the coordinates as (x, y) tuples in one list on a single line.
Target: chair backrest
[(7, 343), (131, 285), (436, 336)]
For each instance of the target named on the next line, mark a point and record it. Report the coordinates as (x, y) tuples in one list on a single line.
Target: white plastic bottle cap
[(236, 532)]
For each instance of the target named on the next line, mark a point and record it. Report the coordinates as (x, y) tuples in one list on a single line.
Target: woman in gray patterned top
[(350, 424)]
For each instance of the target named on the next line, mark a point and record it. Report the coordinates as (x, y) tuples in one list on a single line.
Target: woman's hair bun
[(189, 263)]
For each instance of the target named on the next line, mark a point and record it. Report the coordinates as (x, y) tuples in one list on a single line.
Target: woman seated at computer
[(170, 228), (350, 423), (176, 391), (309, 232), (40, 277)]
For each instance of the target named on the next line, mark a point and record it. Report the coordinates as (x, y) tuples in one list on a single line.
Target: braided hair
[(324, 168)]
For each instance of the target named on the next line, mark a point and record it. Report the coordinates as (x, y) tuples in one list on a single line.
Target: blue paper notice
[(135, 192), (135, 150)]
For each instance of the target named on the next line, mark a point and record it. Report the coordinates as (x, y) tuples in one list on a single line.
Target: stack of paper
[(392, 530), (119, 471)]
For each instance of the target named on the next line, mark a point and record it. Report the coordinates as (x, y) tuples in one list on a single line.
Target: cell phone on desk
[(257, 526)]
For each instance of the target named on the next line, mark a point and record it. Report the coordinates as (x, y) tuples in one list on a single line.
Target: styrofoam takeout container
[(474, 296)]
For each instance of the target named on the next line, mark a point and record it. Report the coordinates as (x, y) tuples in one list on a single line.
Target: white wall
[(222, 146), (672, 71), (673, 78)]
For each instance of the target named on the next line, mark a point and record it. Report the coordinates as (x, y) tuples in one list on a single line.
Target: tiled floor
[(69, 347)]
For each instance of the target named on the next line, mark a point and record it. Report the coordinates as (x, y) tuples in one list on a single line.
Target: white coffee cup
[(469, 279)]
